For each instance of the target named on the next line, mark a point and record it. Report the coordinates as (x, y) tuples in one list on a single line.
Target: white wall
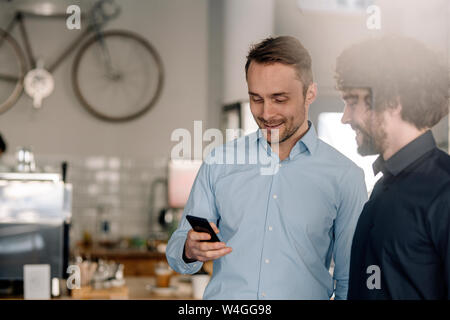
[(246, 22), (179, 31)]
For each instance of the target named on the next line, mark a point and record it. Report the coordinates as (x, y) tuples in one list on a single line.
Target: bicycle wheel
[(127, 91), (12, 71)]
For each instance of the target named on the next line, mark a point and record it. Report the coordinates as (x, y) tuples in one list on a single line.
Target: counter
[(143, 288), (137, 263), (140, 288)]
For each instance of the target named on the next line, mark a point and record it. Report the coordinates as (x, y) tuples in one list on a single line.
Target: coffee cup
[(163, 274)]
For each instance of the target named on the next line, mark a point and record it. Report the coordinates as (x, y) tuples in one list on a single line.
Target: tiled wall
[(122, 185)]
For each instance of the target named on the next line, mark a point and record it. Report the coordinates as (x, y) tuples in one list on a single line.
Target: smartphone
[(202, 225)]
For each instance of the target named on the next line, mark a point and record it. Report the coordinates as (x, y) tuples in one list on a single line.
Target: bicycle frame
[(36, 80), (94, 27), (19, 20)]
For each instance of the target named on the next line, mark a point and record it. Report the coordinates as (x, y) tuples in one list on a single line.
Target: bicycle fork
[(111, 72)]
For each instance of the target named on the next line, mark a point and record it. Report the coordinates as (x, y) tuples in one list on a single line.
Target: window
[(342, 137), (342, 6)]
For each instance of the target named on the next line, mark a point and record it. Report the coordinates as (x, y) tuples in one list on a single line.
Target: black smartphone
[(202, 225)]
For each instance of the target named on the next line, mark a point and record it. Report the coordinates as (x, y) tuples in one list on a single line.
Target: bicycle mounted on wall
[(126, 85)]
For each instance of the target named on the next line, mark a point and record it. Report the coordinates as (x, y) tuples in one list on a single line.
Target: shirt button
[(275, 196), (267, 260), (270, 228), (263, 294)]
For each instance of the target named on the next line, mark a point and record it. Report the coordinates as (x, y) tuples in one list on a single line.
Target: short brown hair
[(398, 69), (286, 50)]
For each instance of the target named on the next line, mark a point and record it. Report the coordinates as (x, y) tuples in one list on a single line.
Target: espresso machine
[(35, 216)]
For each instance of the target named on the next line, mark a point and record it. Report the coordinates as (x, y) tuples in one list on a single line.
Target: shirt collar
[(406, 155), (307, 143)]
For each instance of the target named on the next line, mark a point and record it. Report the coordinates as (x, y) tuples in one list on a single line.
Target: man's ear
[(396, 108), (311, 93)]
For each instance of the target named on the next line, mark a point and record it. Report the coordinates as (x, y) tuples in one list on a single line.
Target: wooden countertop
[(121, 253), (142, 288)]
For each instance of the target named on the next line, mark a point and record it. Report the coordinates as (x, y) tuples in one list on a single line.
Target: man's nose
[(346, 117), (269, 111)]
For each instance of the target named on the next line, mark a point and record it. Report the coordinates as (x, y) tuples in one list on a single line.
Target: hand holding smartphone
[(202, 225), (197, 247)]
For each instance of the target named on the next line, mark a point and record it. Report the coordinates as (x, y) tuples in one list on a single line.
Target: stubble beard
[(374, 138), (288, 133)]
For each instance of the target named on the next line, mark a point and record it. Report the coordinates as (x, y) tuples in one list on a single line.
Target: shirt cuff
[(186, 259), (188, 267)]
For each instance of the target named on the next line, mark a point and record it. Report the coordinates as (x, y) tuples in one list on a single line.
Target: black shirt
[(404, 228)]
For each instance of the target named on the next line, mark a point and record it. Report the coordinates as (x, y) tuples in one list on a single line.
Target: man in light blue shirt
[(279, 231)]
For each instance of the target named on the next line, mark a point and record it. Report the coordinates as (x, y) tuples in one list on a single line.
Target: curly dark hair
[(398, 70), (286, 50)]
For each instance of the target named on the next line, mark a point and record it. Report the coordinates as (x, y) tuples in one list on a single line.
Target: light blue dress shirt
[(284, 228)]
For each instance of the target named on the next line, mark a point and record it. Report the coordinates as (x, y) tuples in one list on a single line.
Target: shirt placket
[(266, 260)]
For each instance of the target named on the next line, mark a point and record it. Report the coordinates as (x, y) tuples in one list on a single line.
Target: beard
[(289, 133), (290, 127), (373, 139), (278, 135), (367, 147)]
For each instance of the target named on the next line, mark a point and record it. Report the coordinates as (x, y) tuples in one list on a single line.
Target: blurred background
[(102, 189)]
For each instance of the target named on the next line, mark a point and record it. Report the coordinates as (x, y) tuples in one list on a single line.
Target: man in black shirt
[(394, 91)]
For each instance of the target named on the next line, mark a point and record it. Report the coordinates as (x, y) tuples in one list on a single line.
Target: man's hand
[(196, 249)]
